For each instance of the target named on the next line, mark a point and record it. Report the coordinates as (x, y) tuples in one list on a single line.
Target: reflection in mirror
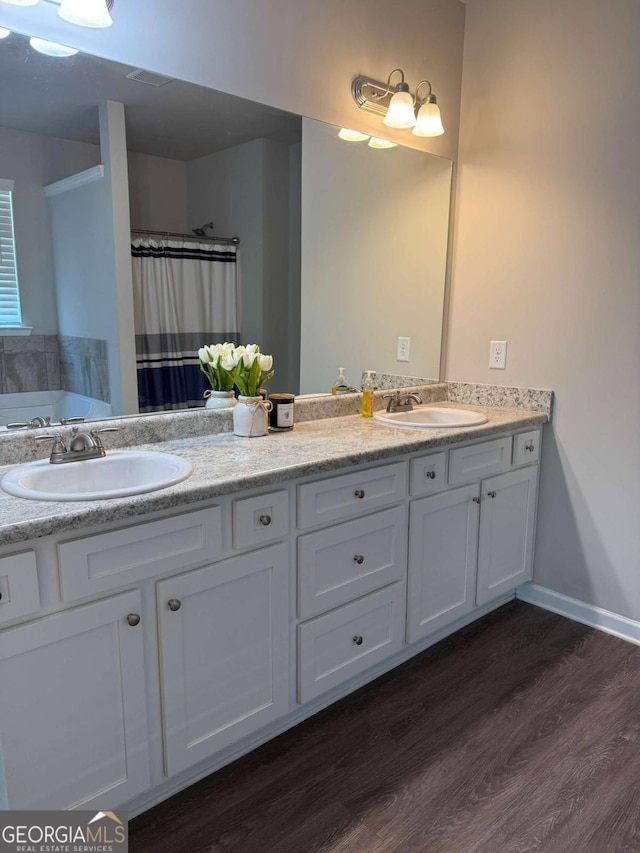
[(193, 156)]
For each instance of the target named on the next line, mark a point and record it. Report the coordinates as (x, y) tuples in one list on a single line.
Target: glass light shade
[(21, 2), (4, 32), (51, 48), (86, 13), (374, 142), (352, 135), (429, 122), (400, 112)]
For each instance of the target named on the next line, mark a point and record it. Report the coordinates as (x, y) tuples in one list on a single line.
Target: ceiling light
[(51, 48), (86, 13), (4, 32), (429, 121), (374, 142), (352, 135), (21, 2)]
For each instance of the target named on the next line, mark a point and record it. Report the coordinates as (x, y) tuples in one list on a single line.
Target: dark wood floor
[(520, 733)]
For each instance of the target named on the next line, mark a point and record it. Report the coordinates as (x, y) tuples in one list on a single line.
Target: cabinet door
[(73, 720), (224, 644), (507, 515), (443, 540)]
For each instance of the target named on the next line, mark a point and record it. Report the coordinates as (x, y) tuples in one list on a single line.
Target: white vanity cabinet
[(224, 653), (470, 544), (139, 657), (73, 722)]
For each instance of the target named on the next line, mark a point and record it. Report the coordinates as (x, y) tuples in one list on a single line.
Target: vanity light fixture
[(397, 105), (52, 48), (352, 135), (84, 13), (429, 120), (374, 142)]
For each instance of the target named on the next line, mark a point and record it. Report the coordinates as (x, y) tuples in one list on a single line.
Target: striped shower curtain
[(185, 295)]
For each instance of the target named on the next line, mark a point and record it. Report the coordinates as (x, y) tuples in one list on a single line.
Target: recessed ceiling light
[(4, 32), (51, 48)]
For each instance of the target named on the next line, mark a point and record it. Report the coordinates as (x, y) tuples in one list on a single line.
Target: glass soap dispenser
[(366, 409), (340, 386)]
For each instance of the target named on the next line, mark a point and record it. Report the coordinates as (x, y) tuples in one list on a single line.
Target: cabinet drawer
[(342, 497), (479, 460), (347, 641), (108, 560), (19, 592), (526, 447), (428, 474), (260, 520), (348, 560)]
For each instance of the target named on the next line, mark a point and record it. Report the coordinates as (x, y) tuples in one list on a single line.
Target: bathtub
[(15, 408)]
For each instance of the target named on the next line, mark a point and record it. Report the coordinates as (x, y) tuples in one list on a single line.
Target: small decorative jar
[(250, 416), (219, 399)]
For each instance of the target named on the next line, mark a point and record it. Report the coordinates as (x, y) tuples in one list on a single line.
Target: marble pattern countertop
[(224, 463)]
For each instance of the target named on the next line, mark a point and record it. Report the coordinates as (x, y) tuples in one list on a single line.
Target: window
[(10, 315)]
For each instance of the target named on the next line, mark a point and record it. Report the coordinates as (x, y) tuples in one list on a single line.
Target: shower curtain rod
[(234, 240)]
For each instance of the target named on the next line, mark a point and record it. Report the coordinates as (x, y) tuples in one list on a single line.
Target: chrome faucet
[(38, 421), (401, 402), (81, 446)]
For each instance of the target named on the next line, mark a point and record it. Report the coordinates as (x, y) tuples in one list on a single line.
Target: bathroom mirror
[(50, 130)]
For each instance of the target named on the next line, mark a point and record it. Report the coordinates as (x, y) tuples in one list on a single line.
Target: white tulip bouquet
[(226, 365)]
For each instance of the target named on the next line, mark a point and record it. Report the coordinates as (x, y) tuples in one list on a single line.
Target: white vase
[(250, 416), (219, 399)]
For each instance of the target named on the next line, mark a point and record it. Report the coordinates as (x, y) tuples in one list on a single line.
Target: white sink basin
[(433, 417), (117, 475)]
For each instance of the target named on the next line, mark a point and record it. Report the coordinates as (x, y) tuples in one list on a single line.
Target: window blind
[(10, 314)]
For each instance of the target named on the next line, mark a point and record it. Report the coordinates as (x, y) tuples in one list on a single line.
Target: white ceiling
[(59, 97)]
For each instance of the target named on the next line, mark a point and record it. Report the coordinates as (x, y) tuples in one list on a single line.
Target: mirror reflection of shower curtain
[(185, 295)]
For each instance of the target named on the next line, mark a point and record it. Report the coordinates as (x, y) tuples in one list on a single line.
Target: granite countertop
[(225, 463)]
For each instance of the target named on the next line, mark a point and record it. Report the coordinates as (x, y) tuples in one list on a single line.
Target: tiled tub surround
[(29, 363), (51, 363), (84, 367), (224, 463)]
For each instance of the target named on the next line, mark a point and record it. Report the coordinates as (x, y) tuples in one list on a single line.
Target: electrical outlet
[(498, 355), (403, 349)]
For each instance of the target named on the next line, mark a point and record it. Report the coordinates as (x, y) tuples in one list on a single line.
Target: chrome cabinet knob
[(265, 520), (133, 619), (359, 559), (358, 640), (492, 494), (530, 447), (476, 500), (430, 474), (174, 604), (359, 493)]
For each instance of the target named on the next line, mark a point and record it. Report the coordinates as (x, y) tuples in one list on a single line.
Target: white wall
[(547, 257), (374, 248), (158, 193), (34, 161), (299, 55)]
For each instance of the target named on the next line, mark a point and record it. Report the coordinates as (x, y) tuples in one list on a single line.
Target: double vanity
[(147, 640)]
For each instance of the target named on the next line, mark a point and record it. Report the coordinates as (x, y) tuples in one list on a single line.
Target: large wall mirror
[(342, 247)]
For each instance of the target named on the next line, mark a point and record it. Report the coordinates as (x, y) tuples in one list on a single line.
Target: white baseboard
[(580, 611)]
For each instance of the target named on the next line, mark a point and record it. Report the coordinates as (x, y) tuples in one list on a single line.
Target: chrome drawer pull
[(492, 494), (359, 559), (174, 604), (430, 474), (359, 493), (358, 640), (265, 520), (133, 619)]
